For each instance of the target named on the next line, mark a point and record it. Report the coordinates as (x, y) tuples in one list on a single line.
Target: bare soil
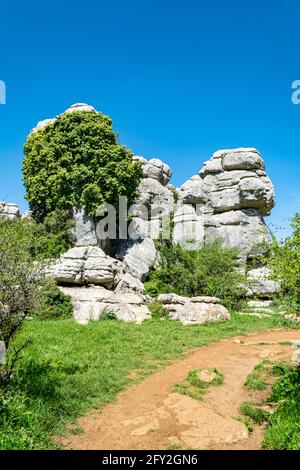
[(150, 415)]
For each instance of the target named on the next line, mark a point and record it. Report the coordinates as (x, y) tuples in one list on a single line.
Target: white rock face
[(155, 169), (83, 266), (240, 229), (9, 211), (227, 201), (260, 284), (138, 257), (195, 310), (89, 303)]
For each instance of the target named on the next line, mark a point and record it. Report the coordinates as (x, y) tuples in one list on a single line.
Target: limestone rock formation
[(84, 265), (89, 303), (194, 310), (260, 283), (227, 201), (9, 211), (138, 256)]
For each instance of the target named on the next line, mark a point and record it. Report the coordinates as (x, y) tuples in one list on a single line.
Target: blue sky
[(180, 79)]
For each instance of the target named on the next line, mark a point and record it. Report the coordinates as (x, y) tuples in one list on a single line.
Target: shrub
[(53, 303), (158, 310), (53, 236), (283, 258), (211, 270), (108, 315), (77, 161), (19, 280)]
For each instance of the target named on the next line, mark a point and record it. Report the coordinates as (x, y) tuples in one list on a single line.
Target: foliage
[(283, 258), (256, 414), (211, 271), (77, 161), (70, 369), (53, 303), (19, 279), (255, 382), (283, 432), (158, 310), (195, 387), (53, 236), (108, 315)]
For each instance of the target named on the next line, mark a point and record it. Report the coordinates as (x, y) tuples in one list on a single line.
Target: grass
[(256, 414), (195, 387), (283, 431), (70, 369), (256, 379), (283, 424)]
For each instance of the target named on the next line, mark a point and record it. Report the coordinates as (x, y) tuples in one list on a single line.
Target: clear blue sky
[(180, 79)]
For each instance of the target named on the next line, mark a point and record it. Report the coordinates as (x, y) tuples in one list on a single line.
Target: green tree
[(77, 161), (283, 258)]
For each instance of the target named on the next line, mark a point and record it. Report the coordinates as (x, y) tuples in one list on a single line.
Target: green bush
[(158, 310), (108, 315), (283, 258), (53, 303), (77, 161), (40, 241), (211, 270), (54, 235), (283, 432)]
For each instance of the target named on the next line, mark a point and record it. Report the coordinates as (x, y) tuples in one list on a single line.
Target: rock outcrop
[(90, 303), (194, 310), (227, 200), (85, 265), (9, 211)]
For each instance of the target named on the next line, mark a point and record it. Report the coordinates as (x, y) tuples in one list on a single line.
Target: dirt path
[(151, 416)]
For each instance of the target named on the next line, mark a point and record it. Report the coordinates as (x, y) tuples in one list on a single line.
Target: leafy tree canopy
[(77, 161)]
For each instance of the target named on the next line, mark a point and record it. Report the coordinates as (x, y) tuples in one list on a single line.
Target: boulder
[(260, 283), (90, 303), (155, 169), (138, 256), (195, 310), (9, 211), (240, 229), (84, 265)]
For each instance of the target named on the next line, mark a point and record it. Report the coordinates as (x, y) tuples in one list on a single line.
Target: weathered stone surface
[(155, 169), (152, 195), (84, 229), (127, 283), (82, 107), (188, 228), (9, 210), (241, 229), (83, 266), (138, 256), (193, 310), (89, 303), (260, 284), (193, 191)]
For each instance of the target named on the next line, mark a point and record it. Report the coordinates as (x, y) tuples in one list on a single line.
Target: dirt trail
[(151, 416)]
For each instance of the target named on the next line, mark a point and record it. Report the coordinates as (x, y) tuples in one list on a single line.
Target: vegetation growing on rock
[(283, 258), (77, 161), (209, 271)]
